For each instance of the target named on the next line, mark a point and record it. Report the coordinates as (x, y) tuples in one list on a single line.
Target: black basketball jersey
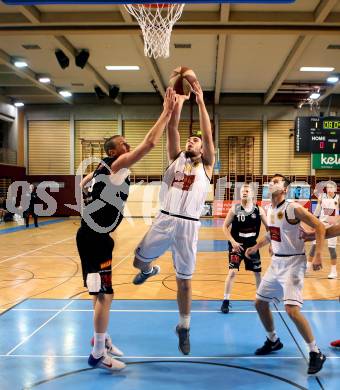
[(106, 198), (245, 226)]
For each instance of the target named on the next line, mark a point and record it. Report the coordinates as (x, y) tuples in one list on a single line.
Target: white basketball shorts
[(284, 280), (177, 234), (331, 242)]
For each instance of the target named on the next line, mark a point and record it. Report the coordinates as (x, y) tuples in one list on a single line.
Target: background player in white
[(326, 209), (94, 242), (184, 189), (285, 275), (241, 228)]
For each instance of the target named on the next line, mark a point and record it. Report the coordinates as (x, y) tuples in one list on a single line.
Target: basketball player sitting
[(241, 228), (184, 189), (326, 209), (109, 188), (284, 277)]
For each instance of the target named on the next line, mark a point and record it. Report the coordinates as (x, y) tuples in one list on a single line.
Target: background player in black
[(102, 214), (241, 228), (32, 194)]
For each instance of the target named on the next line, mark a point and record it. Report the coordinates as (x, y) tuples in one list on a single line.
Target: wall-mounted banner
[(325, 161)]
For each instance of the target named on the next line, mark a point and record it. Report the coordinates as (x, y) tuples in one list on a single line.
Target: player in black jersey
[(245, 221), (106, 190)]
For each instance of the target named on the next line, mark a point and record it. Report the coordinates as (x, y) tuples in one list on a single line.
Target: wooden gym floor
[(44, 263)]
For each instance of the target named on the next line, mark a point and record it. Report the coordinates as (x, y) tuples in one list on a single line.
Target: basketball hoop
[(156, 22)]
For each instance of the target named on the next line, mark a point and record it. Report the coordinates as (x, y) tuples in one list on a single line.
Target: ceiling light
[(315, 95), (65, 93), (44, 80), (316, 69), (19, 104), (20, 63), (333, 79), (122, 67)]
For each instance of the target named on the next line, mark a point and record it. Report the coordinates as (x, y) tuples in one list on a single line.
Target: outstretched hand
[(306, 234), (251, 251), (170, 100), (197, 90)]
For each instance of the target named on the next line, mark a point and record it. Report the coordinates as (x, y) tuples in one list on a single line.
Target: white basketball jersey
[(284, 235), (185, 187), (329, 207)]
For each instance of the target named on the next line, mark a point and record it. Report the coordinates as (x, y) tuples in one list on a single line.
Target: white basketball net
[(156, 22)]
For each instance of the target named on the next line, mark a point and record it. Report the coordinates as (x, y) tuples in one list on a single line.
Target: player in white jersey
[(285, 275), (184, 189), (331, 231), (326, 209)]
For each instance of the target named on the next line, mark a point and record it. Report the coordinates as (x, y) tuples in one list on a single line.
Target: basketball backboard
[(46, 2)]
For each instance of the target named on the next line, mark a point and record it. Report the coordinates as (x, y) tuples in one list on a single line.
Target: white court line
[(166, 357), (125, 257), (35, 250), (55, 315), (170, 311), (37, 330)]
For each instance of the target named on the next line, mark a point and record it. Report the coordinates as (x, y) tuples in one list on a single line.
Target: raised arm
[(207, 138), (317, 210), (152, 137), (85, 180), (173, 139)]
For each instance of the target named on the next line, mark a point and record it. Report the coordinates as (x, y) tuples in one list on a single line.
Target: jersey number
[(241, 217)]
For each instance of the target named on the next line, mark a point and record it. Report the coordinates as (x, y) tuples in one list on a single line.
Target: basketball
[(181, 80)]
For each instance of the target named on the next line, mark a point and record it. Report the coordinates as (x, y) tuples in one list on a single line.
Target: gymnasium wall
[(9, 134), (53, 142), (280, 151), (134, 121)]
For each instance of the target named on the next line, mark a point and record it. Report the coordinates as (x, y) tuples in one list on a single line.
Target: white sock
[(99, 345), (309, 265), (333, 269), (184, 321), (313, 347), (226, 296), (148, 272), (272, 336)]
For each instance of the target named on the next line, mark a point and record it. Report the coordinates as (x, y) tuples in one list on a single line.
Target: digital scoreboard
[(317, 134)]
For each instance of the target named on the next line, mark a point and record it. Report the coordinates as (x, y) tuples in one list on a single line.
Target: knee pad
[(93, 282)]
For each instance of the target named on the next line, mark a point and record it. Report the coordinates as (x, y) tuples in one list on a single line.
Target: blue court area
[(18, 228), (45, 344)]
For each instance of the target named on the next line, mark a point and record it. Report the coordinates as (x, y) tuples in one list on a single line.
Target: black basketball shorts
[(251, 264), (95, 251)]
